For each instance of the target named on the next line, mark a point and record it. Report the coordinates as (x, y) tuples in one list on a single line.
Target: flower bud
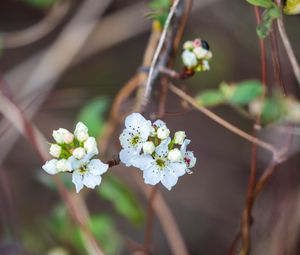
[(63, 165), (189, 59), (59, 135), (205, 65), (163, 133), (188, 45), (68, 138), (255, 107), (148, 147), (81, 132), (90, 145), (179, 137), (152, 131), (197, 42), (50, 166), (174, 155), (79, 153), (200, 52), (55, 150)]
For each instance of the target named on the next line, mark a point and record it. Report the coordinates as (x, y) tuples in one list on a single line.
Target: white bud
[(79, 153), (59, 135), (63, 165), (179, 137), (205, 65), (174, 155), (90, 146), (200, 52), (255, 107), (163, 133), (81, 132), (148, 147), (68, 138), (189, 59), (55, 150), (50, 166), (188, 45)]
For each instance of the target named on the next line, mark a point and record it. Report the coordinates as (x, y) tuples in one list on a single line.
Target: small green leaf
[(210, 98), (92, 115), (273, 110), (122, 198), (260, 3), (274, 12), (264, 28), (159, 4), (246, 91)]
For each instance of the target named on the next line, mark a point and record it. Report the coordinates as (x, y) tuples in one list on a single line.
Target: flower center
[(135, 140), (83, 170), (160, 163)]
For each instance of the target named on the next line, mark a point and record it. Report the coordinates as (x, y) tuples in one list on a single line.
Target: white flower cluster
[(196, 55), (149, 147), (74, 153)]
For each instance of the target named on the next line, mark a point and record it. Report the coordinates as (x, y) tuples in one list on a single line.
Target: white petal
[(50, 166), (142, 161), (183, 147), (96, 167), (159, 123), (191, 159), (136, 122), (126, 156), (77, 180), (152, 175), (91, 181), (74, 163), (162, 149), (177, 169), (168, 179)]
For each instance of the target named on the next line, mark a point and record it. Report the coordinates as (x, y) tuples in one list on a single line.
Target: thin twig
[(223, 122)]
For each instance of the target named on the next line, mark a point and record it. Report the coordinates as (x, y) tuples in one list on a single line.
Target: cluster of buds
[(73, 152), (150, 148), (196, 56)]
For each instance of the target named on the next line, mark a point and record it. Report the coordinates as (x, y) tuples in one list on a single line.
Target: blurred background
[(105, 47)]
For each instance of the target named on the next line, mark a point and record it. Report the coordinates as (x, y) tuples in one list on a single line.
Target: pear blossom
[(163, 133), (188, 156), (60, 134), (133, 137), (79, 153), (179, 137), (55, 150), (81, 132), (87, 172), (63, 165), (50, 166), (160, 168), (148, 147), (189, 59), (90, 145), (174, 155)]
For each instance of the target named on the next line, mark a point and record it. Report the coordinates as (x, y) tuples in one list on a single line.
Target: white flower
[(50, 166), (189, 59), (55, 150), (87, 172), (79, 153), (81, 132), (188, 156), (133, 137), (159, 123), (174, 155), (68, 138), (163, 132), (200, 52), (179, 137), (64, 165), (60, 134), (148, 147), (90, 145), (159, 168)]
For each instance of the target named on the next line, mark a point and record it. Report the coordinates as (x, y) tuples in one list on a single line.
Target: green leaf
[(274, 12), (264, 28), (122, 198), (210, 98), (159, 4), (92, 115), (246, 91), (260, 3), (273, 110), (41, 3)]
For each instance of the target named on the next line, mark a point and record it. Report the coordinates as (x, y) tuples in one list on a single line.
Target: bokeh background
[(208, 204)]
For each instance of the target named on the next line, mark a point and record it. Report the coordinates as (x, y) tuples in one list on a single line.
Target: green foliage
[(246, 91), (261, 3), (122, 198), (160, 10), (65, 232), (273, 110), (92, 115), (40, 3), (210, 98), (269, 15)]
